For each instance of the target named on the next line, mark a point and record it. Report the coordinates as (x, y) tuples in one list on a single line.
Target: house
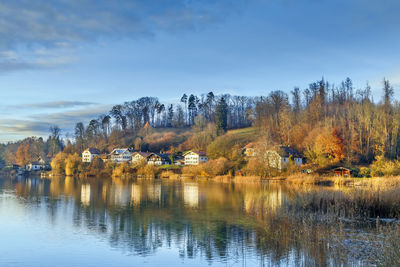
[(89, 154), (195, 157), (120, 155), (342, 171), (250, 149), (280, 157), (138, 157), (178, 160), (159, 159), (36, 165)]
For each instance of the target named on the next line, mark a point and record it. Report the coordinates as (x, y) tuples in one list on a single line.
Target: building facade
[(195, 157), (120, 155), (89, 154), (159, 159), (138, 157), (280, 157)]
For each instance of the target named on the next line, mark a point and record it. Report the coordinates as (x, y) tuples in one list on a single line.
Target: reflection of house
[(136, 194), (85, 194), (154, 192), (261, 203), (120, 155), (250, 150), (159, 159), (195, 157), (89, 154), (138, 157), (280, 157), (119, 194), (191, 194)]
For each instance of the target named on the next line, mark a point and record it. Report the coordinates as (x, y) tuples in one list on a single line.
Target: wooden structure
[(342, 171)]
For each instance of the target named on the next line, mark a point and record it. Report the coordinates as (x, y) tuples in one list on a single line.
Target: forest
[(327, 123)]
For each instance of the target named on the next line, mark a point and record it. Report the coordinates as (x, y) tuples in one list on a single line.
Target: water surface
[(111, 222)]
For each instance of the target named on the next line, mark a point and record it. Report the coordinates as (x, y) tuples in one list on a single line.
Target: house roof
[(36, 163), (200, 153), (143, 154), (119, 151), (285, 151), (93, 150), (341, 169), (161, 155), (250, 145)]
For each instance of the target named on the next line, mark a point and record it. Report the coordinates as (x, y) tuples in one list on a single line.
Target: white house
[(195, 157), (138, 157), (250, 149), (159, 159), (280, 158), (120, 155), (36, 165), (89, 154)]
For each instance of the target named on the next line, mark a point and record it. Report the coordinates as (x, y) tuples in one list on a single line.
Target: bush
[(149, 170), (364, 172), (215, 167), (122, 170), (96, 167), (385, 167), (73, 164), (58, 163)]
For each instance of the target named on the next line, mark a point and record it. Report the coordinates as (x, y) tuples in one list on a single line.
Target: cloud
[(39, 124), (35, 59), (57, 104), (59, 22), (60, 25)]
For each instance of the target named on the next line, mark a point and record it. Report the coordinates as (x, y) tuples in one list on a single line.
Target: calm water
[(95, 222)]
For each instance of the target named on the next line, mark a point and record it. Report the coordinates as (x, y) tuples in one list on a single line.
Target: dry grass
[(377, 182)]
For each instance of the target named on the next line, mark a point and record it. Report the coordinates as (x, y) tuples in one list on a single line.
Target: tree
[(221, 116), (296, 100), (55, 143), (170, 115), (184, 99)]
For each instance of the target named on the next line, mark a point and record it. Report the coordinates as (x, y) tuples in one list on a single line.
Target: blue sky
[(67, 61)]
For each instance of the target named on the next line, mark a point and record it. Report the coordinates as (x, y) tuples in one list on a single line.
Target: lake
[(112, 222)]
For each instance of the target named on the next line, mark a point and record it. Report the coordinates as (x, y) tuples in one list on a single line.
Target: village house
[(89, 154), (120, 155), (195, 157), (250, 149), (36, 165), (159, 159), (279, 158), (178, 160), (138, 157)]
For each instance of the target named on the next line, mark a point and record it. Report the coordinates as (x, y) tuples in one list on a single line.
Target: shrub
[(149, 170), (73, 164), (214, 167), (58, 163), (385, 167), (364, 172), (122, 170)]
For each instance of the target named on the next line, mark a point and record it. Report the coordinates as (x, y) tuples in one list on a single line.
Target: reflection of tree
[(215, 221)]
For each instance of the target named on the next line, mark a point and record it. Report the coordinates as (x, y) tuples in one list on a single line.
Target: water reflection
[(218, 223)]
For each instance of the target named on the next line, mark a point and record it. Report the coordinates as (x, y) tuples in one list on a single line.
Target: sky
[(65, 61)]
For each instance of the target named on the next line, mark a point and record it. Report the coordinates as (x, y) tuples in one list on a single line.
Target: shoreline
[(293, 179)]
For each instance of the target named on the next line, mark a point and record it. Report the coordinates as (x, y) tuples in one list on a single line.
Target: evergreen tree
[(221, 116)]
